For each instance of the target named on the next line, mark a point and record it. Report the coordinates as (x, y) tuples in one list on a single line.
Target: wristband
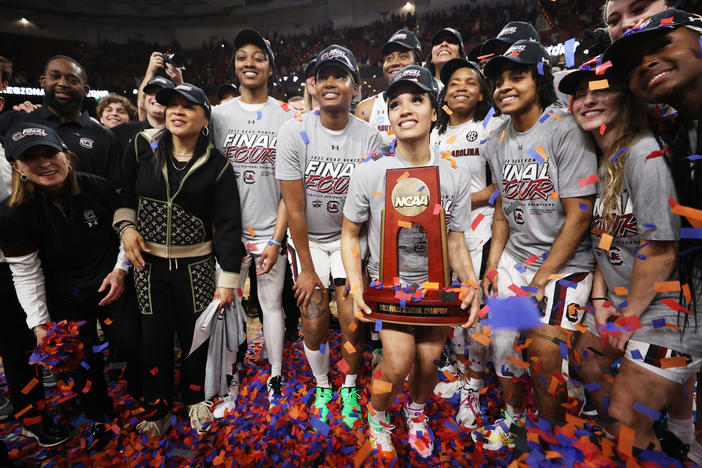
[(273, 241), (598, 299), (125, 227)]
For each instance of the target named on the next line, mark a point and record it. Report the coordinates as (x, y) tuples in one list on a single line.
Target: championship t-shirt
[(366, 201), (534, 170), (462, 143), (323, 159), (642, 213), (248, 139), (379, 118)]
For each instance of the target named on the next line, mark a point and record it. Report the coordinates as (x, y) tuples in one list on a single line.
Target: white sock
[(475, 384), (350, 380), (375, 336), (416, 407), (379, 417), (319, 363), (684, 429)]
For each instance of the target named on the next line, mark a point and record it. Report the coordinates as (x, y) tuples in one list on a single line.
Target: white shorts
[(326, 257), (649, 357), (563, 298)]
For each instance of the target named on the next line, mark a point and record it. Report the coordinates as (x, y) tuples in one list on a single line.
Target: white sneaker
[(228, 403), (420, 435), (447, 389), (200, 414), (380, 435), (470, 408), (695, 452), (155, 428)]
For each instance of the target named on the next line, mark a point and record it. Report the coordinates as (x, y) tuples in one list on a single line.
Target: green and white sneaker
[(350, 409), (497, 435), (380, 435), (322, 397)]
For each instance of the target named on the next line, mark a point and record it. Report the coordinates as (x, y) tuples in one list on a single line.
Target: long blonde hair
[(632, 125), (24, 191)]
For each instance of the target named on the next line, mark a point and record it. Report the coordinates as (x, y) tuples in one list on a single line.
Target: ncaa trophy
[(412, 196)]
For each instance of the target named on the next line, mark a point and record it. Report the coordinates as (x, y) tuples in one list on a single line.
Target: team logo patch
[(249, 177), (472, 135), (506, 31), (17, 136), (515, 50), (86, 143), (518, 216), (90, 218), (614, 254), (572, 313), (333, 206), (398, 36)]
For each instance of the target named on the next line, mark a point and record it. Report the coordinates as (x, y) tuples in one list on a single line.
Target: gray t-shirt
[(323, 159), (248, 139), (533, 171), (644, 214), (366, 201)]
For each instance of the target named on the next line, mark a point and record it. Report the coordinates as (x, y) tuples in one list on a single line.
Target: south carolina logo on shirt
[(90, 218), (86, 143)]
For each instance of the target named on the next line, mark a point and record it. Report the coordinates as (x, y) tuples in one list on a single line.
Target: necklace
[(182, 155), (184, 164)]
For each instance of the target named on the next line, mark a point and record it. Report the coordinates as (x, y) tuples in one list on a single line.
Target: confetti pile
[(61, 350), (290, 435)]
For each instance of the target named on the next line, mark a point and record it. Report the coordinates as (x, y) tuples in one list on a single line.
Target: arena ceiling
[(150, 8)]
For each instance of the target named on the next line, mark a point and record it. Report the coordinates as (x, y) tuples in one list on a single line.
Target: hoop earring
[(205, 131), (23, 178)]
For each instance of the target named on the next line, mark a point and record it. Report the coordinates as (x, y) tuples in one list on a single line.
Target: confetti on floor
[(286, 436)]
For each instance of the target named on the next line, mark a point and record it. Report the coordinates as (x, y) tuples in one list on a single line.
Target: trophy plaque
[(412, 196)]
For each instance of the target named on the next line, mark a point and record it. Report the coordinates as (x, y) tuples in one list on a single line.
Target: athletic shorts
[(479, 250), (653, 358), (326, 257)]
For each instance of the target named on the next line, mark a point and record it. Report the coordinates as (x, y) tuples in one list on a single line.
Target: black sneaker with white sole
[(49, 378), (6, 408), (46, 433), (275, 389)]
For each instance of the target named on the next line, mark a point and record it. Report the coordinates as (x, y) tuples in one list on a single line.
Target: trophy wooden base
[(431, 310)]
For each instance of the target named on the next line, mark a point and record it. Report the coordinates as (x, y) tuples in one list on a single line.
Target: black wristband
[(598, 299)]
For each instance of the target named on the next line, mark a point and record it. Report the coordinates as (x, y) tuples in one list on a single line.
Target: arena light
[(24, 21)]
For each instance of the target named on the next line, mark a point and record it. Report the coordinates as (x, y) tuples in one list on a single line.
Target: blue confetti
[(378, 325), (605, 403), (693, 157), (568, 284), (451, 425), (154, 144), (321, 426), (593, 387), (515, 313), (482, 142), (616, 155), (258, 115), (636, 354), (564, 351), (322, 348), (657, 323), (646, 411), (487, 118), (544, 117), (85, 365), (569, 52), (649, 225), (520, 268), (540, 69), (530, 289), (534, 154), (99, 348), (305, 140), (422, 188), (584, 206), (691, 233), (641, 257), (493, 197)]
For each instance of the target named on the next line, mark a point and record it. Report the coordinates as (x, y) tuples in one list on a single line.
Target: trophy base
[(431, 310)]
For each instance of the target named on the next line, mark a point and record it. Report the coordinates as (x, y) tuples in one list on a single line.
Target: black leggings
[(171, 298), (16, 344)]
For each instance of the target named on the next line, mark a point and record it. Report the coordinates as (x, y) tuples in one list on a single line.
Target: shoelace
[(417, 422), (350, 397)]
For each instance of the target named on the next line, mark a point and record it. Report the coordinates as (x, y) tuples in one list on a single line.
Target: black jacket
[(78, 248), (179, 221)]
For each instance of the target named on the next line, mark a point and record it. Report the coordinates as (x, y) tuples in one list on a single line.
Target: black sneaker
[(589, 408), (6, 408), (99, 435), (275, 389), (46, 433)]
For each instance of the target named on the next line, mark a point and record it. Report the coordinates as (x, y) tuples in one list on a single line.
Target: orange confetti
[(251, 231), (448, 110), (108, 321), (428, 285), (599, 84), (605, 242), (555, 116), (502, 136), (355, 252), (27, 408), (626, 440), (554, 195), (349, 347), (487, 331), (620, 291), (676, 361), (362, 454), (381, 386), (403, 176), (28, 388), (404, 224), (553, 386), (451, 139), (686, 292), (380, 194), (550, 454), (666, 286), (555, 276), (518, 362), (480, 338), (353, 326), (694, 216), (581, 328)]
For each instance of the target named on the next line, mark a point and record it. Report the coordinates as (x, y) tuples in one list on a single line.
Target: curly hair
[(113, 98), (480, 111)]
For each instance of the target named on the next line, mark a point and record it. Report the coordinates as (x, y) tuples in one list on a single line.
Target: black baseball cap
[(404, 39), (524, 52), (416, 75), (27, 135), (588, 71), (189, 91), (309, 68), (156, 83), (474, 53), (660, 23), (251, 36), (336, 54), (448, 32), (453, 65), (224, 89), (512, 32)]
